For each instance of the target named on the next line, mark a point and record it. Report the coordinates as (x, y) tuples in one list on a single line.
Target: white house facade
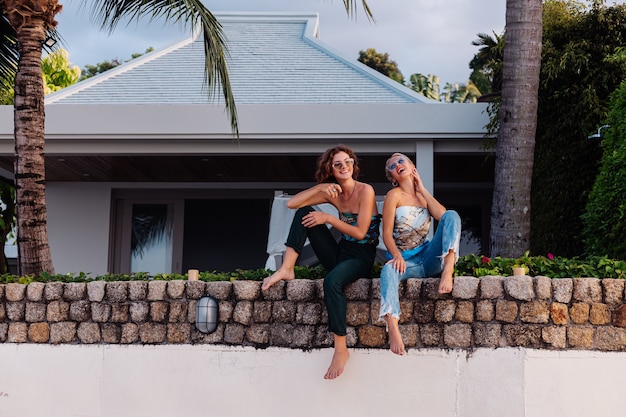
[(144, 143)]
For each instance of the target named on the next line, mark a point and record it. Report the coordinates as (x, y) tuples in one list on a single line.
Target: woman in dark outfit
[(347, 260)]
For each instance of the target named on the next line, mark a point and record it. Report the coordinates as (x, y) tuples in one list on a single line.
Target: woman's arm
[(321, 193), (392, 201), (389, 215)]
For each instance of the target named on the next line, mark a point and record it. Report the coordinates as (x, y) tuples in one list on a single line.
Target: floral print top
[(411, 227)]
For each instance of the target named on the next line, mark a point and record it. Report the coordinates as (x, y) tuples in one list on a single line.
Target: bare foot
[(340, 357), (279, 275), (445, 284), (396, 345)]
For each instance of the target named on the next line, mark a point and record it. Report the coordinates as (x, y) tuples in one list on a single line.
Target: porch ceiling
[(194, 168)]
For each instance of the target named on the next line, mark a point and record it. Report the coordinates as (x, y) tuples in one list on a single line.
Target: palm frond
[(350, 6), (8, 51), (9, 54), (188, 13)]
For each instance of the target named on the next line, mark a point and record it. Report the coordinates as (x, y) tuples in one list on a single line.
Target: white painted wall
[(208, 380), (78, 226)]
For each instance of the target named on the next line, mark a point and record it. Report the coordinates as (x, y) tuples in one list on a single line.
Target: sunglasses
[(347, 162), (392, 166)]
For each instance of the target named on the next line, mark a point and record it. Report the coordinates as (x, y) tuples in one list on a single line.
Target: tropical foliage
[(579, 73), (302, 272), (604, 229), (486, 65), (470, 265), (549, 266), (427, 85), (58, 72)]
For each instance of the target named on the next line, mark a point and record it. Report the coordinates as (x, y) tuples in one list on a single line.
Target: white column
[(425, 163)]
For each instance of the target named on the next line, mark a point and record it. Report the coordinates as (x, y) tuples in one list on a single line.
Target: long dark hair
[(324, 171)]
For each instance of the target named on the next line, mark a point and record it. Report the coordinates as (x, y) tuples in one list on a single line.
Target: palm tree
[(460, 93), (488, 59), (510, 213), (428, 86), (24, 25)]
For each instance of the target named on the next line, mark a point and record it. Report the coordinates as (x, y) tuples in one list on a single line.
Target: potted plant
[(519, 269)]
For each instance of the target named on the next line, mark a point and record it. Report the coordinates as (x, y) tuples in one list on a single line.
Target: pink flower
[(550, 256), (485, 260)]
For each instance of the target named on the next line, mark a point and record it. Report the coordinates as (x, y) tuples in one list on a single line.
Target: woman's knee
[(389, 273), (303, 211), (451, 216)]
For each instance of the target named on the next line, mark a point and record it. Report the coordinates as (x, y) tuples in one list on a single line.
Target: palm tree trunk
[(510, 215), (30, 23)]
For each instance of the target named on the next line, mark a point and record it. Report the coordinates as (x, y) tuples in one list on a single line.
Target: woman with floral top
[(406, 223)]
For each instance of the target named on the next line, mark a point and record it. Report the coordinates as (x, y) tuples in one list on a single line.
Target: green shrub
[(302, 272), (470, 265), (604, 218), (548, 266)]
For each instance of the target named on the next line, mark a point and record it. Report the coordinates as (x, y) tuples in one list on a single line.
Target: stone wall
[(491, 311)]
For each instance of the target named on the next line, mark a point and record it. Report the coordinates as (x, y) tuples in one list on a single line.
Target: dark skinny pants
[(345, 262)]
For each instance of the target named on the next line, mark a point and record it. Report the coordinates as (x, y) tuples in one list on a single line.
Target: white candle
[(193, 275)]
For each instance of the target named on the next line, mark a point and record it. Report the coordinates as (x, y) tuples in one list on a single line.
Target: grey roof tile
[(273, 59)]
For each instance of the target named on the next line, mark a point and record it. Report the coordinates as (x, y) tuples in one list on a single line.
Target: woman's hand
[(417, 181), (332, 190), (398, 263), (314, 218)]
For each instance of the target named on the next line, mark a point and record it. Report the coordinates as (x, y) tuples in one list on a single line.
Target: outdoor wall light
[(49, 42), (207, 314), (598, 134)]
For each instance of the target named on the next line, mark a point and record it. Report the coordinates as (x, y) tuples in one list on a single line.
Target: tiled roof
[(273, 59)]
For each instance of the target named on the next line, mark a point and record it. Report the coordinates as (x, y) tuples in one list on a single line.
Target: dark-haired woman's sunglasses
[(347, 162)]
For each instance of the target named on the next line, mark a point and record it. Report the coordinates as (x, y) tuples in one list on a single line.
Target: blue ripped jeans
[(428, 262)]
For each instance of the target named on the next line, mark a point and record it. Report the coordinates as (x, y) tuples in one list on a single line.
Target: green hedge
[(549, 266), (470, 265)]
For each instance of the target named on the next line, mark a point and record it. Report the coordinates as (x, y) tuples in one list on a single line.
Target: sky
[(421, 36)]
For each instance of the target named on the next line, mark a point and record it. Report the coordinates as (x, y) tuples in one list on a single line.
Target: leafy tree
[(92, 70), (605, 214), (24, 25), (428, 86), (579, 73), (381, 63), (58, 72), (510, 213), (6, 92)]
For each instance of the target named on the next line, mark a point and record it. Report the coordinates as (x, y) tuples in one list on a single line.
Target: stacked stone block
[(489, 312)]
